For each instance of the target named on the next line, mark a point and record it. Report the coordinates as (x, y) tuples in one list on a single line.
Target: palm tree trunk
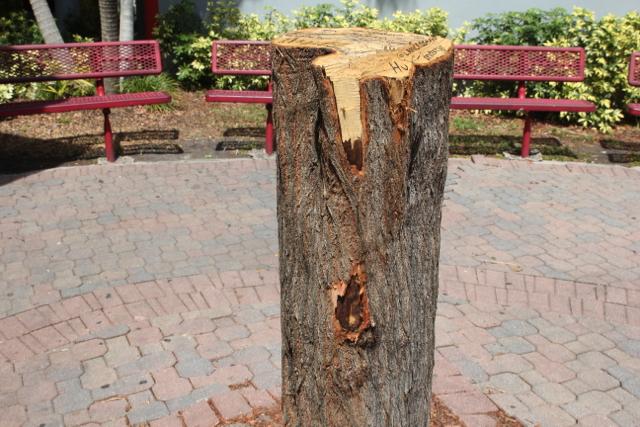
[(109, 31), (126, 20), (126, 28), (46, 23), (108, 20)]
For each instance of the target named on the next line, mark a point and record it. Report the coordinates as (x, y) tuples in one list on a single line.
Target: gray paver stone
[(516, 345), (151, 412), (513, 328), (72, 398), (592, 403), (557, 334), (596, 379), (196, 395), (555, 394), (471, 369), (509, 383), (194, 367)]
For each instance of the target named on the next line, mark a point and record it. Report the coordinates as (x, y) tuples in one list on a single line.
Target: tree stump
[(361, 120)]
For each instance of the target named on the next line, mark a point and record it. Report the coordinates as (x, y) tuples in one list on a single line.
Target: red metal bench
[(243, 58), (634, 80), (71, 61), (520, 64), (472, 62)]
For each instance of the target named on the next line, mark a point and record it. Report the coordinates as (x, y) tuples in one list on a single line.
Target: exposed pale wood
[(361, 128), (361, 54)]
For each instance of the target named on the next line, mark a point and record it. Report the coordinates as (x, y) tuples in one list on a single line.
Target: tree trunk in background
[(126, 28), (126, 20), (46, 23), (362, 140), (109, 31)]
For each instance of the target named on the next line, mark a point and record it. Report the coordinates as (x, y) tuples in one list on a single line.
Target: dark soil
[(195, 129), (191, 129)]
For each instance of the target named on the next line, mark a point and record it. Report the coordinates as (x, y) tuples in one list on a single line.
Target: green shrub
[(6, 93), (608, 43), (59, 89), (19, 28), (189, 49), (160, 83), (533, 27), (430, 22)]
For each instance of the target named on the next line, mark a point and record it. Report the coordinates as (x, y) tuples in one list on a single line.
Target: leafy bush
[(160, 83), (188, 46), (19, 28), (60, 89), (608, 43), (6, 93), (430, 22), (533, 27), (178, 25)]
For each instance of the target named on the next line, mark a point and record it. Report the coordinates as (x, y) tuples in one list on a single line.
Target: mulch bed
[(49, 140), (194, 128)]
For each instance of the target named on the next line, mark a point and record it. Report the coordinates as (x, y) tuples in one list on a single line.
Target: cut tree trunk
[(362, 132)]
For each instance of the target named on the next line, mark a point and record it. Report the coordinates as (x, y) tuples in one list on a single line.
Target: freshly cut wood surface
[(361, 54)]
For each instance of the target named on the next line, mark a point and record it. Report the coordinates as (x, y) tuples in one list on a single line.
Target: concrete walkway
[(148, 293)]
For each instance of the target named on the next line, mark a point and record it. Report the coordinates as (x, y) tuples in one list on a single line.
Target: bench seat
[(522, 104), (633, 109), (242, 96), (83, 103)]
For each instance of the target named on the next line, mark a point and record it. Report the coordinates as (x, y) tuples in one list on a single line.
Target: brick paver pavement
[(147, 293)]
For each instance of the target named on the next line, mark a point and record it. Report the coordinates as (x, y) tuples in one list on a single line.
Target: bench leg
[(526, 136), (268, 143), (108, 137)]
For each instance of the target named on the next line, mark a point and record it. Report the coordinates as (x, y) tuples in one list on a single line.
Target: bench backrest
[(634, 69), (241, 57), (519, 63), (32, 63)]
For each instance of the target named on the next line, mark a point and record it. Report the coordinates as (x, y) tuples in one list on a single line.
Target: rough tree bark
[(46, 23), (362, 132), (109, 31), (126, 20)]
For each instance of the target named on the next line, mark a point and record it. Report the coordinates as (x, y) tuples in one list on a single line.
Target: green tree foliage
[(608, 43), (533, 27), (189, 49), (19, 28)]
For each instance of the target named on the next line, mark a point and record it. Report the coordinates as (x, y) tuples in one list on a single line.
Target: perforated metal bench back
[(532, 63), (241, 57), (30, 63), (634, 69)]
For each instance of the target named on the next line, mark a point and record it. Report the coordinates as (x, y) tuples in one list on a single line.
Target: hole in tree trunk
[(349, 307), (354, 153)]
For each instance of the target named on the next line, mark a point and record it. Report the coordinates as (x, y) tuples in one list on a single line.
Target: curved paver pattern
[(148, 293)]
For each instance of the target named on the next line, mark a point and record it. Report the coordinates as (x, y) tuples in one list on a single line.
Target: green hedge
[(188, 50), (608, 42), (186, 42)]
